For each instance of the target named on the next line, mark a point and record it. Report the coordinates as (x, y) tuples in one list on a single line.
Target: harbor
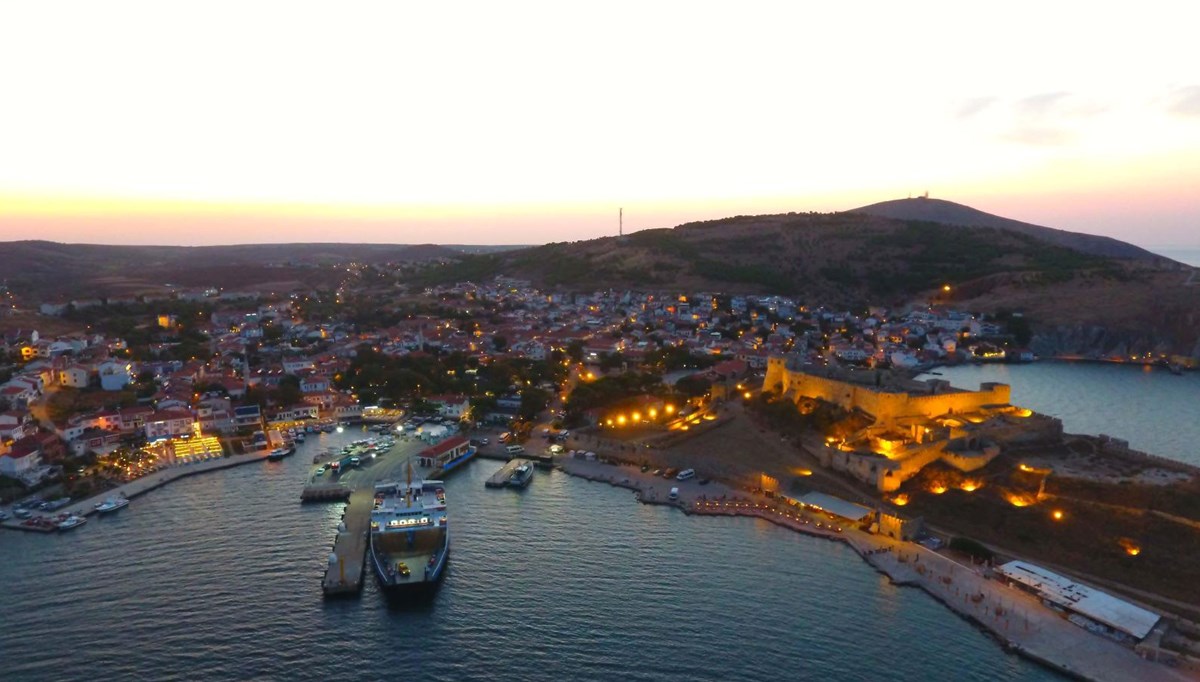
[(1016, 619)]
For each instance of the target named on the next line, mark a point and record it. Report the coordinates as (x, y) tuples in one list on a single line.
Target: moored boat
[(521, 476), (112, 504), (71, 521)]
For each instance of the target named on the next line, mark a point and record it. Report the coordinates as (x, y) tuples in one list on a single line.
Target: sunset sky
[(515, 122)]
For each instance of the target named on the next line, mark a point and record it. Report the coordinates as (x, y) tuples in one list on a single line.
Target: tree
[(288, 392), (693, 386), (499, 342)]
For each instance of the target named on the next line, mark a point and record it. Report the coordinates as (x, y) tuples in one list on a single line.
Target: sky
[(527, 122)]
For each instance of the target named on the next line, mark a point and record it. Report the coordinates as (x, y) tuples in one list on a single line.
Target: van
[(514, 449), (686, 474), (674, 494)]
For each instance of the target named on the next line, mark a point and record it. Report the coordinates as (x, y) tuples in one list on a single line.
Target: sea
[(1189, 255), (217, 577), (1156, 411)]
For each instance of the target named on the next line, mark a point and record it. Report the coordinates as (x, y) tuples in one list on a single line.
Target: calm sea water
[(1156, 411), (218, 577), (1191, 256)]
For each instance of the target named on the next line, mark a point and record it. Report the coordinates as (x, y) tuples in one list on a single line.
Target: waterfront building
[(1085, 606)]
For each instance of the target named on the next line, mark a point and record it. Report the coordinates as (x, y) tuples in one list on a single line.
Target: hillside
[(950, 213), (1081, 303), (43, 269)]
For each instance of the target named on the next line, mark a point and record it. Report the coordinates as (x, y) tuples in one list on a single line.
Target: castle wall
[(885, 406)]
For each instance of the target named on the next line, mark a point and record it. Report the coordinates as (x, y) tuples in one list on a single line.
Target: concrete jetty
[(500, 478), (1014, 618), (326, 492), (347, 561)]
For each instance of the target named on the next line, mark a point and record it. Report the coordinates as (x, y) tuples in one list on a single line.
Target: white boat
[(112, 504), (71, 521)]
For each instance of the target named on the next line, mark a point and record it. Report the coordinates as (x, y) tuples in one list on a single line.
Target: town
[(129, 387)]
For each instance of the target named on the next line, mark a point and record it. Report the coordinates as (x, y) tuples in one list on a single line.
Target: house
[(23, 458), (168, 424), (15, 426), (115, 375), (133, 419), (453, 406), (17, 395), (74, 376)]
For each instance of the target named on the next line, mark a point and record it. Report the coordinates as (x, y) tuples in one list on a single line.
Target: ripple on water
[(217, 577)]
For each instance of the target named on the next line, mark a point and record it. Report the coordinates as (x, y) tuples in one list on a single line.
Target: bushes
[(972, 548)]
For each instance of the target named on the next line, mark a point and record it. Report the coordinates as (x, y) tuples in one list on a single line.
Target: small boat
[(279, 453), (520, 476), (112, 504), (71, 521)]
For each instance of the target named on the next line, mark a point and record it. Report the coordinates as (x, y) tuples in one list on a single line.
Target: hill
[(950, 213), (43, 269), (1081, 299)]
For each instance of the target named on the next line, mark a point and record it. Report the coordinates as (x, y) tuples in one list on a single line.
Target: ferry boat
[(112, 504), (521, 476), (410, 541), (71, 521)]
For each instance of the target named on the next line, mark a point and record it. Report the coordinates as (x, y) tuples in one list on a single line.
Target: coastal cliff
[(1094, 342)]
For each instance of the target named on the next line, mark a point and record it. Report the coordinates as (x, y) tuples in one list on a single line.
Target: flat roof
[(835, 505), (1099, 606)]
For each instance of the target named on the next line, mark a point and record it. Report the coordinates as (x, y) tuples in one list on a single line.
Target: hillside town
[(199, 355)]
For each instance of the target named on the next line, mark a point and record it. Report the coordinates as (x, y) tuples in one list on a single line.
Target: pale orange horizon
[(140, 122)]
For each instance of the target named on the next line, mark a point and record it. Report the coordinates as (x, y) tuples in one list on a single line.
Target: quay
[(1016, 619), (500, 478), (140, 486), (347, 560)]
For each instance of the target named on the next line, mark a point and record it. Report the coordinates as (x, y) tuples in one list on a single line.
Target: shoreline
[(140, 486), (1040, 635)]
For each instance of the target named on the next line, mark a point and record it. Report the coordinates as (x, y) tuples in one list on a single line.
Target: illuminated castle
[(913, 423)]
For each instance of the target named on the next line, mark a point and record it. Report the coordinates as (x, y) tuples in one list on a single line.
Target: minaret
[(621, 222)]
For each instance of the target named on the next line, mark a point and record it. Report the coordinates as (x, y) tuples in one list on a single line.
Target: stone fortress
[(912, 423)]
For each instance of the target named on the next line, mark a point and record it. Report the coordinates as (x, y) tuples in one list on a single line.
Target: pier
[(500, 478), (328, 492), (347, 561)]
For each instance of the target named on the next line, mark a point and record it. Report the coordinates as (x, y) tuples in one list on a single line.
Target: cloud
[(1047, 119), (1185, 101), (973, 106), (1038, 136), (1038, 105)]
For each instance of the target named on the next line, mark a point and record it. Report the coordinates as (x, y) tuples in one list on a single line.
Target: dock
[(500, 478), (347, 561), (326, 492)]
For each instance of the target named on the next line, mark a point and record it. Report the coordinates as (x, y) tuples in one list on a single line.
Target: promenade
[(147, 483), (1016, 619)]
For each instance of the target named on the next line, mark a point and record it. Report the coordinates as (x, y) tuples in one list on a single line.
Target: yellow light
[(945, 287), (670, 409), (653, 413), (1133, 551), (1058, 515), (1019, 500), (637, 416), (937, 489), (621, 420), (609, 422), (900, 500), (970, 486), (746, 395)]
